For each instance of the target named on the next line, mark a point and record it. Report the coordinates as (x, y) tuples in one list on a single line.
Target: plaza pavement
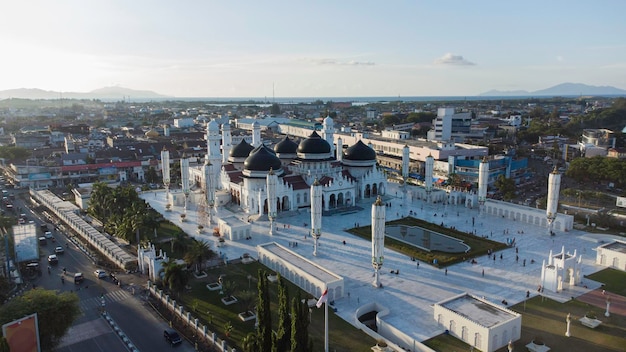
[(410, 294)]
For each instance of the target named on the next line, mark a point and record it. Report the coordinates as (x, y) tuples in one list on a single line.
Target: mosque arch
[(374, 189), (366, 194), (340, 200), (285, 204), (477, 340), (332, 201), (381, 189), (348, 198)]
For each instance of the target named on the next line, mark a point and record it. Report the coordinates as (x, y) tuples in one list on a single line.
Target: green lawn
[(544, 319), (209, 308), (614, 280), (479, 245)]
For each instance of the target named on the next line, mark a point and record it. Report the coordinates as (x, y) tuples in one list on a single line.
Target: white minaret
[(213, 154), (256, 134), (316, 213), (328, 133), (209, 189), (166, 130), (378, 238), (339, 149), (272, 180), (406, 158), (483, 181), (428, 176), (227, 142), (165, 168), (554, 186), (184, 175)]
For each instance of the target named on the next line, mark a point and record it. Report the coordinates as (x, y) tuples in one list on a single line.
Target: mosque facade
[(241, 171)]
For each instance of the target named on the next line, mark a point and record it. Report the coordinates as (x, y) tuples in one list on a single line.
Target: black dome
[(314, 145), (241, 150), (262, 159), (359, 151), (286, 146)]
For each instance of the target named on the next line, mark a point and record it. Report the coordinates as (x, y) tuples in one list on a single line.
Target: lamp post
[(568, 320), (608, 305)]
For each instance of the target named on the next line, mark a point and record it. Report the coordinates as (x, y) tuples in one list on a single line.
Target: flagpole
[(326, 326)]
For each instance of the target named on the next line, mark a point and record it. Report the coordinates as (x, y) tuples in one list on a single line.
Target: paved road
[(91, 332)]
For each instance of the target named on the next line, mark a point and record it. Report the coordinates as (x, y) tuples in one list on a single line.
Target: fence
[(187, 318)]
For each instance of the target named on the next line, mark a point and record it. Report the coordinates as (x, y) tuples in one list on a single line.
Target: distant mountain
[(560, 90), (106, 93)]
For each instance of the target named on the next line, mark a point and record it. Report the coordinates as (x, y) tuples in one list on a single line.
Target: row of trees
[(598, 169), (291, 333), (122, 212)]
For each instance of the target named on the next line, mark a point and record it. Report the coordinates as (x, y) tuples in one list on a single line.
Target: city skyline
[(255, 49)]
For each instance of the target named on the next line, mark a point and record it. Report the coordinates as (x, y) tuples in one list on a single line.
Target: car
[(78, 278), (47, 235), (53, 260), (172, 337), (59, 250), (100, 274)]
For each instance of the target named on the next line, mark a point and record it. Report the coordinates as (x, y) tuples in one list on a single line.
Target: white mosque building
[(241, 171)]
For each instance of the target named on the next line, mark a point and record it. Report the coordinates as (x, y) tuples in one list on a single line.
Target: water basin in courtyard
[(426, 239)]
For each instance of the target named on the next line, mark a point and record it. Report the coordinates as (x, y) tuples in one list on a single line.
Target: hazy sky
[(314, 48)]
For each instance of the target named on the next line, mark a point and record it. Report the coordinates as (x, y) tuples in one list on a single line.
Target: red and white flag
[(322, 299)]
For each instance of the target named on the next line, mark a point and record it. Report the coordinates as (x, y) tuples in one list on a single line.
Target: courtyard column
[(316, 213), (554, 185), (568, 321), (378, 238), (608, 305)]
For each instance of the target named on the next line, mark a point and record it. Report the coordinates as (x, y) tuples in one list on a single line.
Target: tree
[(506, 186), (275, 109), (250, 343), (283, 332), (300, 341), (197, 253), (151, 175), (264, 314), (56, 312), (175, 276)]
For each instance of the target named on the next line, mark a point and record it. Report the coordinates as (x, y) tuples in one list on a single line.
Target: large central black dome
[(359, 151), (314, 145), (241, 150), (262, 159)]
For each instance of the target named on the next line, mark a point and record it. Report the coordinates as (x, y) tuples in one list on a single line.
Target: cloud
[(451, 59), (335, 62)]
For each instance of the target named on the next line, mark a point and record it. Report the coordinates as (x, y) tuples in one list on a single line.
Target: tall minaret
[(165, 168), (209, 190), (339, 149), (406, 158), (272, 180), (428, 176), (184, 175), (328, 133), (256, 134), (227, 141), (316, 213), (483, 182), (213, 154), (378, 238), (554, 186)]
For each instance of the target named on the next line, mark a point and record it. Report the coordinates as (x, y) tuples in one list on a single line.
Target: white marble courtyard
[(410, 294)]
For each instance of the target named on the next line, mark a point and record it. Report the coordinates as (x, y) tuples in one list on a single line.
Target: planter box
[(199, 275), (590, 323), (247, 316), (229, 300), (214, 286)]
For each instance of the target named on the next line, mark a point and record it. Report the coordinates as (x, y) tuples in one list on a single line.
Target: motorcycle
[(62, 280)]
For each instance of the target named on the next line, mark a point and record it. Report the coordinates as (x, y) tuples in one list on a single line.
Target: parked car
[(172, 337), (53, 260), (100, 274)]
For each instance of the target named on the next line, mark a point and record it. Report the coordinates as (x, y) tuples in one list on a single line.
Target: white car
[(100, 274)]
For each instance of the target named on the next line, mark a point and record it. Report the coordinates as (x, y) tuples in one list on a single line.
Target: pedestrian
[(516, 258), (516, 250), (418, 265), (500, 256), (483, 272), (524, 262), (494, 257), (446, 272)]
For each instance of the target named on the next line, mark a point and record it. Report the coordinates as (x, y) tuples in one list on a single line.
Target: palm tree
[(247, 300), (175, 276), (197, 253), (229, 287), (178, 241)]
